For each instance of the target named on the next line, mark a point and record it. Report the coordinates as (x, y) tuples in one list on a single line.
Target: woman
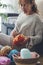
[(29, 24)]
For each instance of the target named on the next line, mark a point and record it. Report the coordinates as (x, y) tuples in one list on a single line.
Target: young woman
[(29, 24)]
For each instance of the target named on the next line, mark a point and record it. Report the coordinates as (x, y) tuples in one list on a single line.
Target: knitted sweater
[(30, 25)]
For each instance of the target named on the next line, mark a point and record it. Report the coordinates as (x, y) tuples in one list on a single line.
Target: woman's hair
[(34, 7)]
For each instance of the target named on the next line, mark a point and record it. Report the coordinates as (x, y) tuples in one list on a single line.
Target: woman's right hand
[(13, 33)]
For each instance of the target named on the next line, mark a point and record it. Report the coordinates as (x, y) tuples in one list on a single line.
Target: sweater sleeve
[(37, 38)]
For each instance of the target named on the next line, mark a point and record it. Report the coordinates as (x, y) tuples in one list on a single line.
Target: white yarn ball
[(25, 53)]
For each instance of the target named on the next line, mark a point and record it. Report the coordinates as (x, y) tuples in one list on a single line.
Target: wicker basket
[(30, 61)]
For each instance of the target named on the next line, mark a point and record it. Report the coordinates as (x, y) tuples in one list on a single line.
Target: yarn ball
[(25, 53), (12, 52), (18, 39), (4, 60)]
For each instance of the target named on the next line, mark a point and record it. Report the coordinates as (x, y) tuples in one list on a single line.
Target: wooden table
[(41, 60)]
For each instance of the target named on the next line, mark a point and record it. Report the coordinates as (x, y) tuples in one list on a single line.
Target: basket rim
[(16, 57), (25, 61)]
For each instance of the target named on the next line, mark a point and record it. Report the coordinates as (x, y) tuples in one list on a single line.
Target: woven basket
[(20, 61)]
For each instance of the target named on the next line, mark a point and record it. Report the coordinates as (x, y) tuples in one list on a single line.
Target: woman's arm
[(15, 31), (37, 38)]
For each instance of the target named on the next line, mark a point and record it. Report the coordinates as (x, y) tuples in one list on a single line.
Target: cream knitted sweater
[(30, 25)]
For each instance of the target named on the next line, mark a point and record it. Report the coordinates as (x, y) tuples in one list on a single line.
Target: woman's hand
[(13, 33), (20, 41)]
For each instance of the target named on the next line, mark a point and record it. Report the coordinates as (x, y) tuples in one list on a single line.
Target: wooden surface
[(41, 60)]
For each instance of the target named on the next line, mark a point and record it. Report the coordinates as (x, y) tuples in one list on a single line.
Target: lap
[(5, 39)]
